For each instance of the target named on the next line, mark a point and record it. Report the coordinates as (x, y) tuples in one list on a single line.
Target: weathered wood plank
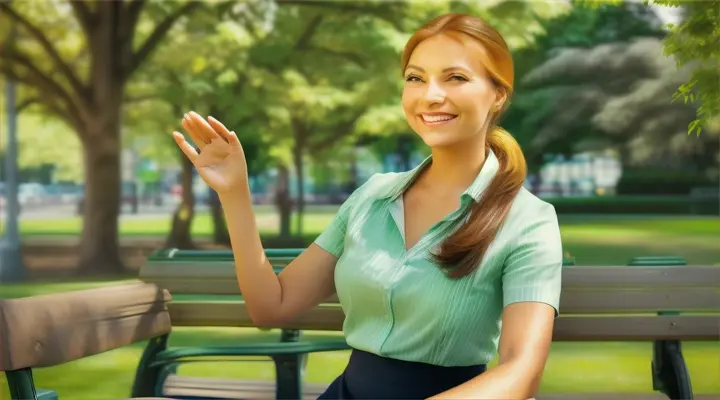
[(222, 388), (252, 389), (638, 277), (618, 301), (637, 328), (218, 277), (572, 301), (51, 329), (567, 328)]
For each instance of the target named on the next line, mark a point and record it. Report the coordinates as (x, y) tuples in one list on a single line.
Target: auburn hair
[(462, 252)]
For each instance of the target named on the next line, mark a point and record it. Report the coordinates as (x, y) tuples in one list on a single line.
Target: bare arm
[(304, 283), (524, 346)]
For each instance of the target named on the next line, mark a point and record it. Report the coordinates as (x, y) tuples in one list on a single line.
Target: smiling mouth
[(434, 120)]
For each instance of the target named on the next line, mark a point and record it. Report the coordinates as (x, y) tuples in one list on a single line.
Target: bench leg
[(146, 377), (289, 369), (22, 386), (669, 371), (289, 372)]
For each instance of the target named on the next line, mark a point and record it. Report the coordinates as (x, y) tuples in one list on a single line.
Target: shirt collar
[(403, 180)]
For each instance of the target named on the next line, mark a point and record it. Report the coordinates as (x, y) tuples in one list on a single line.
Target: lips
[(433, 119)]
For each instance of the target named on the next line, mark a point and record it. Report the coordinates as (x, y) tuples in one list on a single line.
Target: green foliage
[(595, 80), (695, 41)]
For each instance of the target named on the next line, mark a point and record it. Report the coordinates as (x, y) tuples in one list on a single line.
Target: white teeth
[(437, 118)]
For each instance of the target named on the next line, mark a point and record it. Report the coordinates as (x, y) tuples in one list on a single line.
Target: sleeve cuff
[(532, 294)]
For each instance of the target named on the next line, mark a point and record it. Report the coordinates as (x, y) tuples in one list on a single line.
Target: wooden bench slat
[(613, 301), (231, 388), (218, 277), (244, 389), (573, 301), (567, 328), (234, 314), (637, 328), (637, 277)]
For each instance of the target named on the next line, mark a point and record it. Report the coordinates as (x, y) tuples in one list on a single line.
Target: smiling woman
[(437, 269)]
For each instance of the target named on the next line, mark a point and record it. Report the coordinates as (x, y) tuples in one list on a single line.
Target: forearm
[(506, 381), (258, 282)]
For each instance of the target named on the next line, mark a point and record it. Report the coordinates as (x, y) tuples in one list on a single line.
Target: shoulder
[(528, 209), (531, 219)]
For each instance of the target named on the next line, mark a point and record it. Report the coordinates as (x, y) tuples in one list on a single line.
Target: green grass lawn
[(592, 239), (573, 367)]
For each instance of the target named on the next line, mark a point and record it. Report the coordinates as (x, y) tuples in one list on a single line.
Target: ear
[(501, 96)]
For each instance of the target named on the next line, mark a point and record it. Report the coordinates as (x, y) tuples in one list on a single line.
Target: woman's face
[(448, 94)]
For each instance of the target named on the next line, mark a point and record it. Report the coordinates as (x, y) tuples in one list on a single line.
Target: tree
[(557, 116), (81, 80), (629, 111), (695, 42)]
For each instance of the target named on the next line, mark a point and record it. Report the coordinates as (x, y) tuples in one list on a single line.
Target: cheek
[(473, 100), (409, 99)]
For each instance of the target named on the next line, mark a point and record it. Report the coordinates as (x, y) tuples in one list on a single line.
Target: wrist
[(241, 194)]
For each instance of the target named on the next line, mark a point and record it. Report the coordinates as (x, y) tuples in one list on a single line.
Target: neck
[(454, 168)]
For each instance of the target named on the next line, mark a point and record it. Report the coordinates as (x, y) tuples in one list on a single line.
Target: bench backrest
[(597, 303), (47, 330)]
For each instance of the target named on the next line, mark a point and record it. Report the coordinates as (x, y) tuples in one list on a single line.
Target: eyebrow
[(444, 70)]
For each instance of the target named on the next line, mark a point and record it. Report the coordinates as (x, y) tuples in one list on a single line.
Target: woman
[(436, 269)]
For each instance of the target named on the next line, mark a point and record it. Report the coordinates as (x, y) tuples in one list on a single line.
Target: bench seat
[(240, 389), (663, 304)]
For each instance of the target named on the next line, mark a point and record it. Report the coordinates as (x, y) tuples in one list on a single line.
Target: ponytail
[(462, 252)]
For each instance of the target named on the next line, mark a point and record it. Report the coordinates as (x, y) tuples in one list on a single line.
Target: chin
[(439, 139)]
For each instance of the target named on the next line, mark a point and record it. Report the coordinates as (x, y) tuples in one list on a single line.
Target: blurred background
[(616, 109)]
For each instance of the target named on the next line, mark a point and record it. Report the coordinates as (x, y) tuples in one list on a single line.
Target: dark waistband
[(371, 376)]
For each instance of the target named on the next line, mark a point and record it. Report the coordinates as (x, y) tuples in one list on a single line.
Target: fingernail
[(210, 117), (187, 116)]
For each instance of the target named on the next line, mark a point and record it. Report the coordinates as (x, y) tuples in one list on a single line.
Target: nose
[(435, 93)]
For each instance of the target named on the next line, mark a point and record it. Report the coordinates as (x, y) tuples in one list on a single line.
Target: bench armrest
[(47, 330)]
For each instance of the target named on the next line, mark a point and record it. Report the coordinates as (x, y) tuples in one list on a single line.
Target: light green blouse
[(398, 304)]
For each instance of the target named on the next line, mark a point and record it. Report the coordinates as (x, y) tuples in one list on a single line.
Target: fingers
[(220, 128), (202, 128), (233, 139), (185, 146), (192, 132)]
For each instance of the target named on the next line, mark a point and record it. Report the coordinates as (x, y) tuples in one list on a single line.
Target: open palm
[(221, 160)]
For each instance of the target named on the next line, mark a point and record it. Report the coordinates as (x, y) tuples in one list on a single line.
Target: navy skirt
[(369, 376)]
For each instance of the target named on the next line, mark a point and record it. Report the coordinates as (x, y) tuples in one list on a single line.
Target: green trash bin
[(669, 371)]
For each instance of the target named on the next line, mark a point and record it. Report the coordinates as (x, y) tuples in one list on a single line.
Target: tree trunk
[(220, 231), (99, 246), (180, 237), (283, 202)]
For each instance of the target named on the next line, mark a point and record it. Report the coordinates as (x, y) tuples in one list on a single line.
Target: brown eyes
[(415, 78)]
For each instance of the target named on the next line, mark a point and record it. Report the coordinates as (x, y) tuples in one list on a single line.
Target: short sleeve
[(332, 238), (533, 269)]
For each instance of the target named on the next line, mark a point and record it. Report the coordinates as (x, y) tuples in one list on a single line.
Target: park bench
[(47, 330), (599, 303)]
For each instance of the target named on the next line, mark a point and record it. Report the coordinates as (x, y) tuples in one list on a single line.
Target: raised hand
[(221, 162)]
